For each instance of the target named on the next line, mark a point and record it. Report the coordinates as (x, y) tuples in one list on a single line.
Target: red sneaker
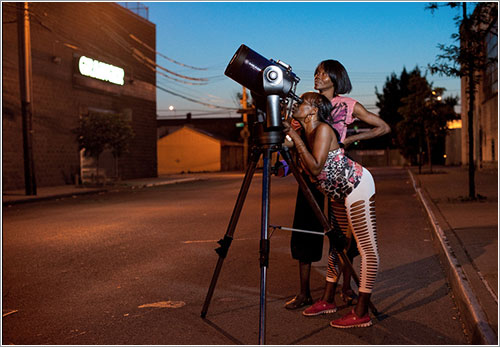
[(320, 307), (352, 320)]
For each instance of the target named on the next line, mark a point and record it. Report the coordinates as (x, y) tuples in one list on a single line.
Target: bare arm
[(380, 127), (314, 161)]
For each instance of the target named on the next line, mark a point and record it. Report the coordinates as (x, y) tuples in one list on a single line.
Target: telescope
[(268, 80)]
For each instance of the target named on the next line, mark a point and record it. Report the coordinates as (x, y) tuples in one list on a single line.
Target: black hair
[(338, 75), (324, 106)]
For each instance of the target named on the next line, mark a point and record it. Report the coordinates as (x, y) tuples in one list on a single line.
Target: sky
[(371, 39)]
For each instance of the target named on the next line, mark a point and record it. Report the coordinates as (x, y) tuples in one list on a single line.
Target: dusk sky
[(371, 39)]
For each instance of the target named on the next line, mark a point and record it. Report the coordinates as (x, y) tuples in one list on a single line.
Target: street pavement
[(464, 234)]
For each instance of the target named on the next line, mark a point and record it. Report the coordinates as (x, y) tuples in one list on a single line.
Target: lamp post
[(172, 108)]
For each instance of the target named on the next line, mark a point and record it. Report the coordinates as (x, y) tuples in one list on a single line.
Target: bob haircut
[(324, 106), (338, 75)]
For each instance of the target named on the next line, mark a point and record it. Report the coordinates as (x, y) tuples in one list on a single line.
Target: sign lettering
[(101, 71)]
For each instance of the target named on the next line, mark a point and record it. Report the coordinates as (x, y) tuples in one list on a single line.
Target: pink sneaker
[(320, 307), (352, 320)]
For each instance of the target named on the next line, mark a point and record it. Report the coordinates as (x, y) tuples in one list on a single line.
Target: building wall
[(60, 33), (453, 147), (485, 122), (485, 129), (488, 133), (186, 150), (232, 158)]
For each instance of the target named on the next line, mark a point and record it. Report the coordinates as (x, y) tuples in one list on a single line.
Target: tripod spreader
[(224, 246)]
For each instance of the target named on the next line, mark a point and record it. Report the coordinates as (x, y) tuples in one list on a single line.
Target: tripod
[(266, 145)]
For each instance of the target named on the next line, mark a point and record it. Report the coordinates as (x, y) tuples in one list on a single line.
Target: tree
[(467, 59), (424, 117), (98, 131), (120, 135), (415, 111), (92, 135), (389, 101)]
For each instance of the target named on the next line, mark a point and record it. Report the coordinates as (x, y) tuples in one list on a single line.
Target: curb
[(164, 183), (52, 197), (97, 191), (472, 314)]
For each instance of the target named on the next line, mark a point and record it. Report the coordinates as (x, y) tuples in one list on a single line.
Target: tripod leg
[(228, 237), (320, 215), (264, 243)]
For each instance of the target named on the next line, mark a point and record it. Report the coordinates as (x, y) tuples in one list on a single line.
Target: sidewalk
[(467, 239), (13, 197)]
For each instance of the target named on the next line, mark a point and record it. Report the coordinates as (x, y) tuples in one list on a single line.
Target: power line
[(142, 56), (196, 101), (125, 44), (150, 64), (164, 56)]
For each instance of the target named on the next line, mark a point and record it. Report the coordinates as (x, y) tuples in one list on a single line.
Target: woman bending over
[(344, 181)]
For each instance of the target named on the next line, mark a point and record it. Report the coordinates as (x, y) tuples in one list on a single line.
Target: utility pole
[(245, 133), (25, 83)]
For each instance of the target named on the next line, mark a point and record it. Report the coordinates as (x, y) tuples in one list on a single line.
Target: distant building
[(486, 107), (74, 47), (188, 149)]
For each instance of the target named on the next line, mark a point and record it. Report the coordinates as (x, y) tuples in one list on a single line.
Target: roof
[(223, 141)]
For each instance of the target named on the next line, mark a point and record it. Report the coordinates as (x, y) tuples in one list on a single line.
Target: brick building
[(68, 40), (485, 123)]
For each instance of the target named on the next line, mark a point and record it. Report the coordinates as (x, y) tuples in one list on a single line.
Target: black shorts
[(306, 247)]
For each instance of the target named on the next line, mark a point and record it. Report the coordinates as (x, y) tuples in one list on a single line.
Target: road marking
[(205, 241), (5, 313), (164, 304)]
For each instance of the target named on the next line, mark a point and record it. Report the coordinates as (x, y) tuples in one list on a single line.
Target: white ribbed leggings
[(358, 214)]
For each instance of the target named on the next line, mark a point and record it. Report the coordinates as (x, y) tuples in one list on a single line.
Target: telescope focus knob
[(272, 75)]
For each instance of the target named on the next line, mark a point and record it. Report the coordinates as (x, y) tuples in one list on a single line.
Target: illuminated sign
[(101, 71)]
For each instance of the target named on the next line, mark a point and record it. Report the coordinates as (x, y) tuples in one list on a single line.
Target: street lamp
[(172, 108)]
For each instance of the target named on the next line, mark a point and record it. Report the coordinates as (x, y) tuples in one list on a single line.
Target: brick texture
[(60, 33)]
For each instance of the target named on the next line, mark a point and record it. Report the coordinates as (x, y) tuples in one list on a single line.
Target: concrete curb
[(96, 191), (472, 314), (35, 198), (163, 183)]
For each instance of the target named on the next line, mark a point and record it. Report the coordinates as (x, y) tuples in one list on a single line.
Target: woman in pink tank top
[(331, 80)]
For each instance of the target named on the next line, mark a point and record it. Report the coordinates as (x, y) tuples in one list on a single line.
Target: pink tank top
[(341, 115)]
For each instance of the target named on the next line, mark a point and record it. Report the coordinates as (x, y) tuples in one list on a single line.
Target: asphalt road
[(134, 267)]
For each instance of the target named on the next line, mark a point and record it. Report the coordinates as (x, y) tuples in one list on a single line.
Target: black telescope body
[(266, 78), (260, 75), (246, 68)]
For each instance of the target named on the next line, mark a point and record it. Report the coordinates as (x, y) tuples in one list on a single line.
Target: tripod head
[(272, 84)]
